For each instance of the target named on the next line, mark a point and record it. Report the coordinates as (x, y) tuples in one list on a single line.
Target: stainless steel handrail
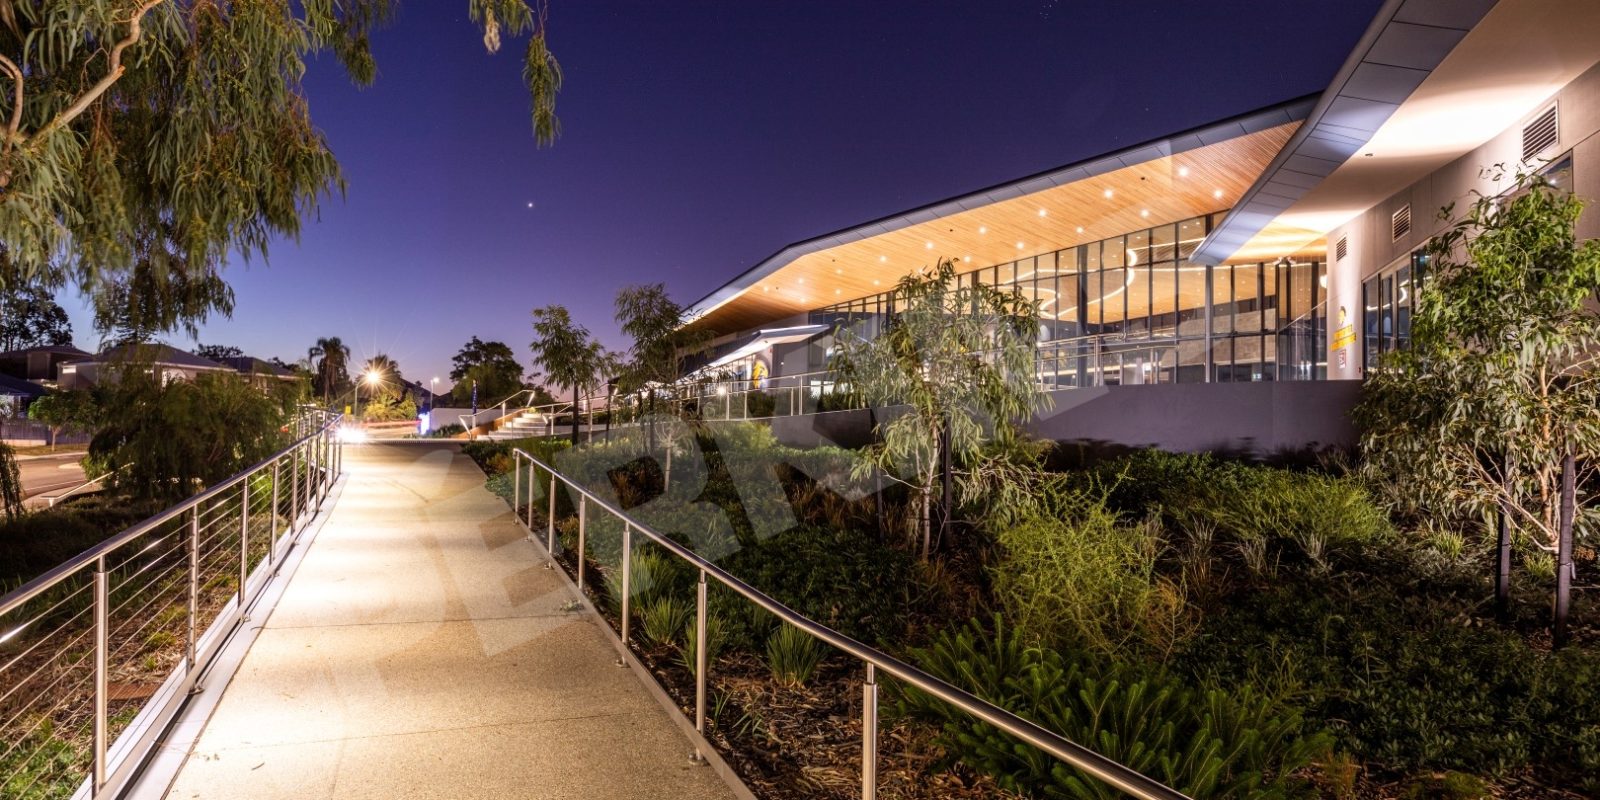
[(313, 461), (1112, 772)]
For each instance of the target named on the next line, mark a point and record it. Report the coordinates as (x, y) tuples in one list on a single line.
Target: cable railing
[(874, 660), (98, 654)]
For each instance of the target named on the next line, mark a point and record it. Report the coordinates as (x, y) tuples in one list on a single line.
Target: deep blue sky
[(699, 137)]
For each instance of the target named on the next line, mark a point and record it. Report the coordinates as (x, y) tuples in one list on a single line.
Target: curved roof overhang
[(1430, 81), (1188, 174)]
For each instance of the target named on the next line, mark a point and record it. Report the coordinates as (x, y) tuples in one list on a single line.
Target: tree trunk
[(927, 521), (666, 474), (946, 479), (1564, 567), (575, 422), (1502, 576)]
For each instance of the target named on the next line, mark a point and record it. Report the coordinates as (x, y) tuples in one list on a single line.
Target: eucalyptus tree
[(568, 354), (960, 359), (1500, 385), (492, 366), (661, 346), (185, 123), (331, 359), (30, 317)]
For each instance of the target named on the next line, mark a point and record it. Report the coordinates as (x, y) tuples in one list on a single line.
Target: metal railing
[(98, 654), (50, 502), (1089, 761)]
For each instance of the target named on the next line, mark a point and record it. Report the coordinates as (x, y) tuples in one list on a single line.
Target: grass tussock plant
[(793, 655), (1204, 742), (663, 620)]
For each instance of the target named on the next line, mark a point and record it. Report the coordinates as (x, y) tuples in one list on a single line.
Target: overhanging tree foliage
[(29, 314), (568, 354), (131, 130), (1473, 421), (661, 346), (960, 357)]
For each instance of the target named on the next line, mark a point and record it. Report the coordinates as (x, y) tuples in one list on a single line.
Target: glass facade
[(1133, 309)]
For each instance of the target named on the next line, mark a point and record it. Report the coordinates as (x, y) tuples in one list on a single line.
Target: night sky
[(699, 137)]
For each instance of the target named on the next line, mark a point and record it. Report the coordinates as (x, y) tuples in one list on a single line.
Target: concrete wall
[(1261, 418), (1372, 249)]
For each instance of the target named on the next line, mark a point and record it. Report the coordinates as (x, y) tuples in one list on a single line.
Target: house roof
[(150, 353), (59, 349), (17, 387), (250, 365)]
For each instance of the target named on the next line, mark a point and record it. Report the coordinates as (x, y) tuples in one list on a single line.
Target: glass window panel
[(1138, 249), (1005, 275), (1138, 294), (1402, 307), (1221, 299), (1191, 299), (1070, 260), (1113, 299), (1190, 233), (1113, 252), (1269, 298), (1091, 256), (1025, 270), (1222, 359), (1301, 280), (1046, 264), (1246, 298), (1067, 305), (1163, 245), (1163, 299)]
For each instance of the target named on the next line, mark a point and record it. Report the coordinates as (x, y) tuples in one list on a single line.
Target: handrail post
[(583, 529), (272, 519), (294, 489), (550, 545), (533, 483), (244, 541), (701, 653), (516, 484), (627, 586), (102, 632), (194, 582), (869, 734)]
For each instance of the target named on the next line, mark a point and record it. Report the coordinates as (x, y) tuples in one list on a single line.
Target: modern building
[(170, 362), (1224, 286)]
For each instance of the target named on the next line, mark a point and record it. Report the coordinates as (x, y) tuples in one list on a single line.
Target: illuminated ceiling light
[(838, 272), (928, 245), (882, 259), (983, 229), (966, 258), (802, 280), (766, 288), (874, 281), (1019, 245), (1044, 213), (1144, 212), (1183, 172), (838, 291), (1217, 193), (1108, 194), (1080, 229)]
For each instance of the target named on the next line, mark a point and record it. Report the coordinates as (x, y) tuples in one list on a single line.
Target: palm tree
[(567, 353), (332, 358)]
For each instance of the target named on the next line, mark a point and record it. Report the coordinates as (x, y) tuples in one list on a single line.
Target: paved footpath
[(420, 651)]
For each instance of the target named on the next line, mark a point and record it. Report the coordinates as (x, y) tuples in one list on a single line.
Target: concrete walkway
[(421, 651)]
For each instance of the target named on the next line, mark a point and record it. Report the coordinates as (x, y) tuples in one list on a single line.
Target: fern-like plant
[(664, 619), (1206, 743)]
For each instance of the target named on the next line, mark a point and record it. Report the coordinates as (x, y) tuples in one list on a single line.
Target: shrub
[(715, 640), (1205, 743), (793, 655), (447, 431), (1406, 683), (664, 619), (1078, 576)]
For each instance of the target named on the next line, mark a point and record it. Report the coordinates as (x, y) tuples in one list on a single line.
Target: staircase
[(522, 425)]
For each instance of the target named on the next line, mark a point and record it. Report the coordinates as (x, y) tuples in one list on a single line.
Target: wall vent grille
[(1341, 249), (1540, 134), (1400, 223)]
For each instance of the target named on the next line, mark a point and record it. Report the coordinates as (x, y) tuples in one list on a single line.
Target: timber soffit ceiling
[(1430, 81), (1199, 171)]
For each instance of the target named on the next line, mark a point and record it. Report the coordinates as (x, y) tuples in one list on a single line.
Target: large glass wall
[(1134, 309)]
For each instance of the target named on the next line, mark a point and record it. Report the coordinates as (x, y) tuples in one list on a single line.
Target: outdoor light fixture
[(983, 229), (1217, 193), (1019, 245), (1183, 172), (1043, 213), (882, 259), (373, 377), (1108, 194), (1080, 229), (1144, 212)]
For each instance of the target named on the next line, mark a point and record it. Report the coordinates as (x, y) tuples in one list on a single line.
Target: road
[(49, 474)]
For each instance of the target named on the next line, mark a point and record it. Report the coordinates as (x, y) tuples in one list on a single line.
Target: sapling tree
[(661, 343), (1474, 419), (960, 358), (568, 354)]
